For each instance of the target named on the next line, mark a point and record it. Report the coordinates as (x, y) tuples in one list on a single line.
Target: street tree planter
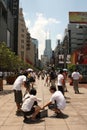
[(1, 84), (10, 79)]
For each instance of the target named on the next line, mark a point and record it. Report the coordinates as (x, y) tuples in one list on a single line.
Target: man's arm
[(24, 83), (46, 105)]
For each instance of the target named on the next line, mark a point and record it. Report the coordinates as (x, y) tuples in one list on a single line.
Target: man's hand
[(42, 108)]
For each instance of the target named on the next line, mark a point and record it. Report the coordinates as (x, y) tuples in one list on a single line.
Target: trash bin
[(1, 84)]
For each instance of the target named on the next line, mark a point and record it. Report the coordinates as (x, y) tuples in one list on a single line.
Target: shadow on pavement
[(5, 92), (61, 116), (33, 122), (67, 99)]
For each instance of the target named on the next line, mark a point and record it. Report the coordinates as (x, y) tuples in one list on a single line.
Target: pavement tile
[(78, 127), (54, 121), (75, 120), (32, 127), (2, 120), (57, 127), (11, 128), (75, 112), (14, 121)]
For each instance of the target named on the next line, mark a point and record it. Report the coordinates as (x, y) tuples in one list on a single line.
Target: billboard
[(67, 59), (78, 17), (80, 56)]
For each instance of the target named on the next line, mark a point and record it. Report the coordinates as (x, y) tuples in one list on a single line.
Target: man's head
[(25, 73), (61, 71), (52, 89), (33, 91)]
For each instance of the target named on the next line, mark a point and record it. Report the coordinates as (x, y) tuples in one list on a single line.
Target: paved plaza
[(75, 113)]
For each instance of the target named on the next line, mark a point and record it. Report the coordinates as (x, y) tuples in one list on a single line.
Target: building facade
[(24, 39), (9, 23), (22, 31), (27, 46), (35, 42), (77, 29)]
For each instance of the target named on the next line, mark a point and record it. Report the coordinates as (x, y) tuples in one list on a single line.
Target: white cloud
[(59, 36), (38, 30), (28, 22)]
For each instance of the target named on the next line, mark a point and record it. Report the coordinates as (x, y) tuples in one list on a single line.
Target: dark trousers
[(61, 88)]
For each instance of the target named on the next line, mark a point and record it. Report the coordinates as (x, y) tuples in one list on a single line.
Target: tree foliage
[(9, 61)]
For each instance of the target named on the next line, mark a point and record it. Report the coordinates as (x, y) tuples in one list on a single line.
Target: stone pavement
[(75, 112)]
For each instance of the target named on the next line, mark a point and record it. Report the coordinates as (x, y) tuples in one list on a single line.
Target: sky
[(49, 18)]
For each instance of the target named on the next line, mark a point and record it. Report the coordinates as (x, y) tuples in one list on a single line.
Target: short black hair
[(33, 91), (61, 71), (25, 73), (53, 88)]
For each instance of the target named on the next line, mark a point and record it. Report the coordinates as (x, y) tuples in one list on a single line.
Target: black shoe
[(76, 92), (19, 113), (59, 115), (26, 120)]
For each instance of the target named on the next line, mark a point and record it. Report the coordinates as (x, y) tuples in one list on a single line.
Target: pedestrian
[(65, 78), (1, 80), (53, 76), (57, 101), (47, 80), (20, 80), (76, 76), (61, 81), (30, 105)]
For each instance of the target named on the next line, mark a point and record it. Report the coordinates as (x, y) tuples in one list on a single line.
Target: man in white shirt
[(20, 80), (61, 81), (57, 101), (30, 105), (76, 77)]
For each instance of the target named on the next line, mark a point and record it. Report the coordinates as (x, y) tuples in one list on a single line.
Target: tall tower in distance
[(48, 49)]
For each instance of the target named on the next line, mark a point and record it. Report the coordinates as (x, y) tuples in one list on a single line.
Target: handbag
[(42, 114)]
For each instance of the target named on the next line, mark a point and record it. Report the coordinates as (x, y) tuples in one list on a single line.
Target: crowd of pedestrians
[(27, 104), (56, 83)]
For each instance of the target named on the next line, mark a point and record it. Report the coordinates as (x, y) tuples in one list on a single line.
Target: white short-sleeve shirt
[(59, 98), (75, 75), (18, 82), (60, 78), (28, 103)]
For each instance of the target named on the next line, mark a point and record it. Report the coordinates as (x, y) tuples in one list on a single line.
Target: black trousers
[(61, 88)]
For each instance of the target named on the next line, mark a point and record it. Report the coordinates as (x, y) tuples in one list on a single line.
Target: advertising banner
[(78, 17), (61, 59), (80, 56)]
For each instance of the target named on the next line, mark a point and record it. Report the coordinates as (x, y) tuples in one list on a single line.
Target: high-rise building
[(48, 49), (35, 42), (27, 46), (77, 30), (15, 9), (77, 35), (9, 23), (22, 35)]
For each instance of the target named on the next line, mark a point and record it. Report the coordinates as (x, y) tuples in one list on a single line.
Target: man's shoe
[(59, 115), (19, 113)]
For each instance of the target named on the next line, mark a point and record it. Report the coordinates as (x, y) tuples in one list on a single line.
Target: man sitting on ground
[(57, 101), (30, 105)]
